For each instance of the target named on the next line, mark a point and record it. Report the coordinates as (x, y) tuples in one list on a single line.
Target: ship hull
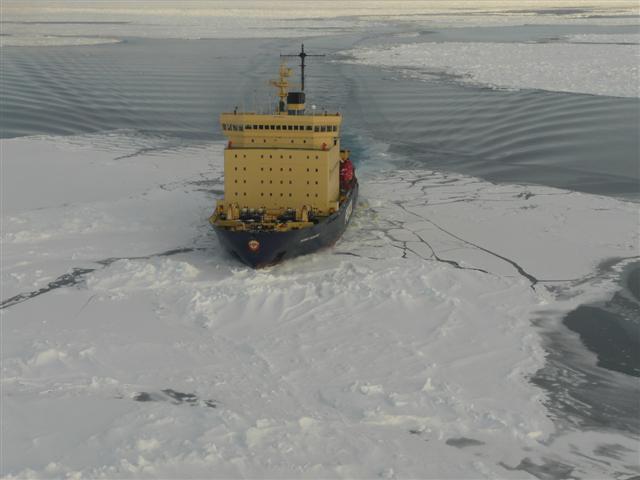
[(277, 246)]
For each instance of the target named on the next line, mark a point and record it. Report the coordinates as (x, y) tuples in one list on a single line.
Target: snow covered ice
[(133, 346), (582, 64), (381, 357)]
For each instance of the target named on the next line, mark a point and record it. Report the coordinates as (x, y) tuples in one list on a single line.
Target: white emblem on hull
[(310, 238)]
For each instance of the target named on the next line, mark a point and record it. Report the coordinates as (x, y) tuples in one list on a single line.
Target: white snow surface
[(52, 41), (597, 69), (358, 361)]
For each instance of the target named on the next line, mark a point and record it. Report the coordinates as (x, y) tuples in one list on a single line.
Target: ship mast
[(282, 85), (302, 56)]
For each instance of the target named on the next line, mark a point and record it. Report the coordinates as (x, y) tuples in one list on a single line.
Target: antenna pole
[(302, 56)]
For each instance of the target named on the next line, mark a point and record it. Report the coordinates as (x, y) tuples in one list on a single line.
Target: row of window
[(294, 128), (235, 155), (270, 194), (281, 182), (244, 169)]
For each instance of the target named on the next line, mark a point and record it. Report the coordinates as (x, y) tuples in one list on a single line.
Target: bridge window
[(323, 128), (309, 127), (278, 127), (255, 127), (247, 127), (316, 128), (260, 127), (272, 127)]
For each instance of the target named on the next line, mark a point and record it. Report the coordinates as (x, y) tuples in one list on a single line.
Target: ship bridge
[(285, 161)]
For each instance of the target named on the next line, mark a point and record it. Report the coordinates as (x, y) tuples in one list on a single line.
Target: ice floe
[(403, 351), (52, 41), (581, 67)]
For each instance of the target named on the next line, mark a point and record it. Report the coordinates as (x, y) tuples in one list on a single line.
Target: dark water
[(178, 87), (611, 329), (596, 388)]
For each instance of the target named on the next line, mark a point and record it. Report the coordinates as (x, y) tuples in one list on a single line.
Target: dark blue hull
[(277, 246)]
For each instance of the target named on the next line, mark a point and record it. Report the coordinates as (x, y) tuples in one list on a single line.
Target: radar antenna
[(302, 56)]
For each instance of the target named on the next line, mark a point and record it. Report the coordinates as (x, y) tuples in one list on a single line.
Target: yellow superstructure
[(288, 161)]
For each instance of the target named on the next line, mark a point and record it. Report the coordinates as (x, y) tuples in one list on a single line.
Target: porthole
[(245, 169), (261, 181), (307, 168), (290, 182), (244, 181), (281, 182), (316, 182), (261, 156), (281, 157), (289, 168), (289, 157), (244, 156), (307, 182), (282, 194), (289, 194), (316, 195), (270, 168), (236, 155), (281, 169), (316, 157), (262, 194), (304, 141), (262, 169), (252, 140), (235, 181), (245, 194), (307, 194), (236, 194), (271, 194), (270, 181), (235, 168), (291, 142), (316, 170)]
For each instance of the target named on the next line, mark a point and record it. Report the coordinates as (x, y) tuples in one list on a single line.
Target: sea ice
[(167, 358), (580, 67)]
